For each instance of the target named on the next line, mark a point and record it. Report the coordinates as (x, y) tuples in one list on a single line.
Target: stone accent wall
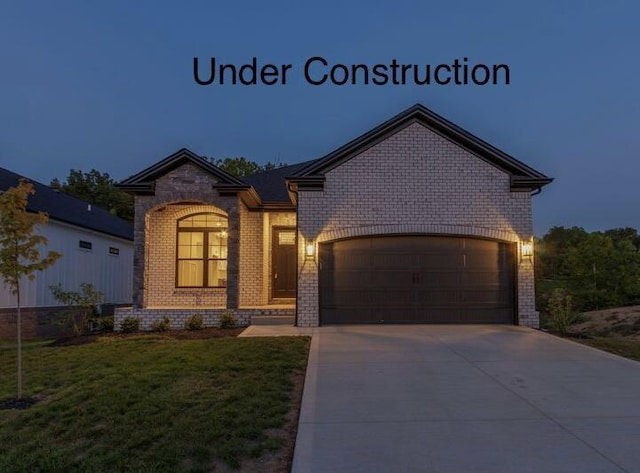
[(413, 181), (181, 187)]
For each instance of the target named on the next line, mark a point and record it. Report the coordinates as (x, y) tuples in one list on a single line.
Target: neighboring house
[(96, 248), (416, 221)]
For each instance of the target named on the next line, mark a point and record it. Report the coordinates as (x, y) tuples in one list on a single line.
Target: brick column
[(139, 260), (233, 256)]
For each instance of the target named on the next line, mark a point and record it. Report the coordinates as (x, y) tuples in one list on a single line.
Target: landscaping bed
[(614, 330), (171, 401)]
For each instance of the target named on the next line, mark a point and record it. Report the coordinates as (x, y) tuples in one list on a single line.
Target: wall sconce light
[(310, 249), (526, 250)]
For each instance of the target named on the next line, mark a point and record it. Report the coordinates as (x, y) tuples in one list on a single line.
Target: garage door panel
[(437, 261), (416, 279), (474, 278), (388, 260)]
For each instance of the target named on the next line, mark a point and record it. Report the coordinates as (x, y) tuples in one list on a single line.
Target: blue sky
[(109, 85)]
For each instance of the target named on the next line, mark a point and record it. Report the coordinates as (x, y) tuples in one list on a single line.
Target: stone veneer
[(414, 181)]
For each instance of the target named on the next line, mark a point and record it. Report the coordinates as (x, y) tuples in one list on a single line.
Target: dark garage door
[(416, 279)]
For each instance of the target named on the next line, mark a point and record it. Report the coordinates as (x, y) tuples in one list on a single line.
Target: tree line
[(600, 269), (99, 188)]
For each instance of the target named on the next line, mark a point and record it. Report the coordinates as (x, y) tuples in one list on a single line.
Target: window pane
[(217, 273), (286, 238), (190, 273), (218, 245), (209, 220), (190, 244)]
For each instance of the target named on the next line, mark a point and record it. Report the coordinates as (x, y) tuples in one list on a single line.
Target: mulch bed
[(209, 332), (15, 403)]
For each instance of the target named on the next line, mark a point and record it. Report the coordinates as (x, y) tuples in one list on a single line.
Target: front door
[(283, 260)]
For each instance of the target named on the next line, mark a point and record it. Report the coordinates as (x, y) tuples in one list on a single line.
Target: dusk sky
[(109, 85)]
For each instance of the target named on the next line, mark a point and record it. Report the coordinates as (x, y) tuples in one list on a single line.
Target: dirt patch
[(210, 332), (619, 322)]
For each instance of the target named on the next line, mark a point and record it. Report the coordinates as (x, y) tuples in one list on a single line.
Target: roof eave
[(526, 183), (420, 114)]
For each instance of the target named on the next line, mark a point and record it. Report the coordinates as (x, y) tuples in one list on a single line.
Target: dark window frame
[(205, 249)]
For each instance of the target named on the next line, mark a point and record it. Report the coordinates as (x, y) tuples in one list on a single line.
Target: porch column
[(233, 257), (139, 249)]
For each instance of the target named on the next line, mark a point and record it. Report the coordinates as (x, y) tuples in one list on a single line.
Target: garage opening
[(417, 279)]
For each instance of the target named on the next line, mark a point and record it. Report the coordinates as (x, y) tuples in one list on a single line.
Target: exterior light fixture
[(526, 250), (310, 250)]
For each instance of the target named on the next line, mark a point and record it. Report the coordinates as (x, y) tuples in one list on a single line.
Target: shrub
[(194, 322), (227, 319), (130, 325), (561, 314), (81, 307), (161, 325), (105, 323)]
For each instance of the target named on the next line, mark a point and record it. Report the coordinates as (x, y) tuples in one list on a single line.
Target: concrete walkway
[(465, 399), (276, 331)]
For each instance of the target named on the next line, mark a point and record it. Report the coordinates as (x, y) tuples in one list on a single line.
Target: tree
[(20, 249), (600, 269), (98, 189), (240, 167)]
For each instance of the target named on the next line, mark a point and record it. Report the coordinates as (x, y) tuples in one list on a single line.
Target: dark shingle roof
[(66, 208), (271, 185)]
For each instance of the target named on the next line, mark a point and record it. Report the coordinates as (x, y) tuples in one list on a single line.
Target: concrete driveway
[(465, 399)]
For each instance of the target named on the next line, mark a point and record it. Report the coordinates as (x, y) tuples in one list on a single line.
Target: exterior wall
[(161, 290), (413, 181), (109, 274), (273, 219), (255, 254), (251, 258), (178, 317), (185, 184)]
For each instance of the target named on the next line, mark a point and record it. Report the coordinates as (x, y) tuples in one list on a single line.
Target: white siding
[(109, 274)]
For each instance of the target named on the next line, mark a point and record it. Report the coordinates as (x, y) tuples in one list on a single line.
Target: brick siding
[(414, 181)]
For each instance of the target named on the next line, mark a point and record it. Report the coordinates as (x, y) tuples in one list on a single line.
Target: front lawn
[(629, 348), (149, 403)]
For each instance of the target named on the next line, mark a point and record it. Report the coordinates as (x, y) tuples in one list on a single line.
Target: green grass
[(147, 403), (620, 346)]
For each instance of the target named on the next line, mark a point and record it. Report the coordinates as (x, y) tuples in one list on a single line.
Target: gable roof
[(271, 185), (522, 176), (68, 209), (143, 182)]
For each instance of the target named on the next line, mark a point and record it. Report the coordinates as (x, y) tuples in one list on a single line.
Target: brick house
[(416, 221)]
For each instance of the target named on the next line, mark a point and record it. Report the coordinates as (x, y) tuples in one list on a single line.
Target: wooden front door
[(283, 262)]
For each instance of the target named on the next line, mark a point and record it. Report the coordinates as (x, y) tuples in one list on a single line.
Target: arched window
[(202, 251)]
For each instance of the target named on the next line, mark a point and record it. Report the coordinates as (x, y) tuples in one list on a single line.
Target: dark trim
[(145, 177), (274, 230), (143, 188), (420, 114), (525, 183), (304, 183)]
